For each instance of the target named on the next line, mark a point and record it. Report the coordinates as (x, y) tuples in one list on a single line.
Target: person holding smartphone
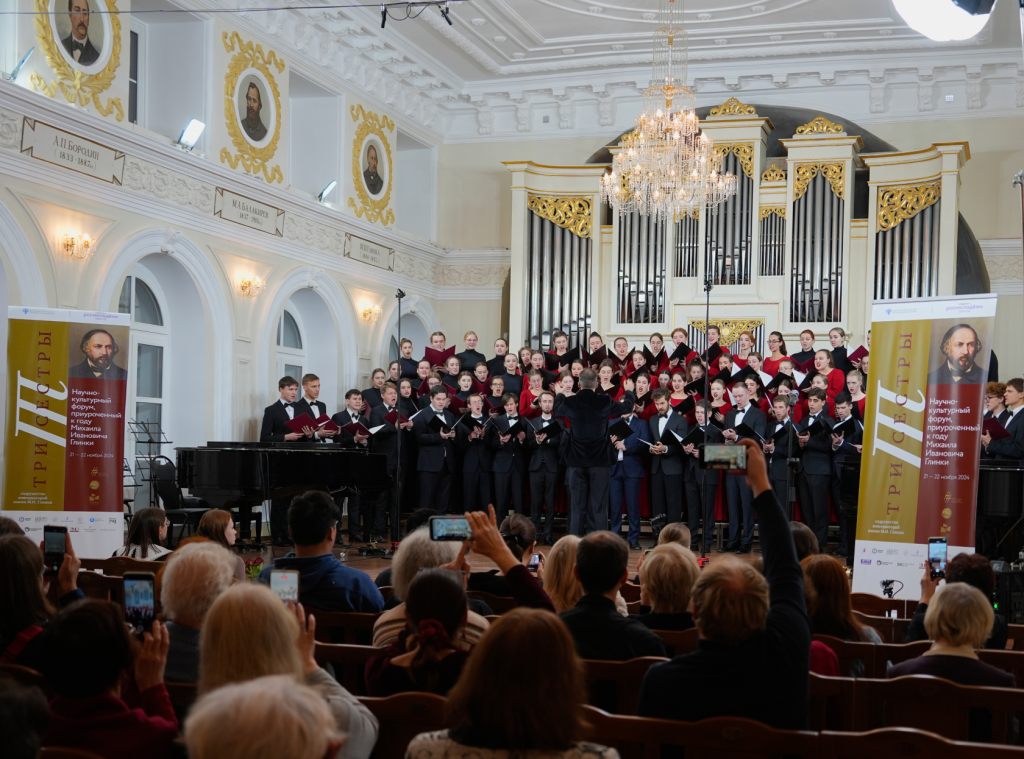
[(23, 597)]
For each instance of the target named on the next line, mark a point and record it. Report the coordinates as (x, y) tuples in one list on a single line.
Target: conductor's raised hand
[(628, 385)]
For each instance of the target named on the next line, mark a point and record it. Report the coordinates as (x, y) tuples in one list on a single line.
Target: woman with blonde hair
[(667, 577), (249, 633), (497, 711)]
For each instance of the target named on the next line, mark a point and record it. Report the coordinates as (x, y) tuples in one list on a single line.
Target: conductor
[(589, 453)]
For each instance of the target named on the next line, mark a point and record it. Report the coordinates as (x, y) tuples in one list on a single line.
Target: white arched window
[(291, 352), (147, 397)]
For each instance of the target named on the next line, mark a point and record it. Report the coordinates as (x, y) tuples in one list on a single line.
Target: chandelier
[(665, 167)]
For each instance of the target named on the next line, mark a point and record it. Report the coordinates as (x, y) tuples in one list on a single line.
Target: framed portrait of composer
[(375, 169), (83, 36), (255, 108)]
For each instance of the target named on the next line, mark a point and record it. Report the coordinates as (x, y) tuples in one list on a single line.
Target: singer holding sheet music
[(543, 441), (275, 430), (477, 457), (506, 437), (353, 414), (815, 474), (665, 429), (434, 428), (741, 499), (385, 440)]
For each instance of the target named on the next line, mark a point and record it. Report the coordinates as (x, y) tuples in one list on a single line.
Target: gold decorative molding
[(904, 202), (690, 213), (744, 153), (252, 159), (574, 214), (835, 173), (75, 85), (372, 124), (733, 107), (773, 174), (820, 125), (767, 211), (729, 330)]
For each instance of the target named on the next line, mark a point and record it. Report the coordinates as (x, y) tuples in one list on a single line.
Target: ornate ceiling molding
[(820, 125), (733, 107)]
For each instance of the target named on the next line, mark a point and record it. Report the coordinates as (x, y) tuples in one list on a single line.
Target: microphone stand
[(396, 501), (707, 422), (790, 465)]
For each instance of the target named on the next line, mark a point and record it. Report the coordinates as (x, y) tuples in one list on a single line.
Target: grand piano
[(241, 476), (999, 506)]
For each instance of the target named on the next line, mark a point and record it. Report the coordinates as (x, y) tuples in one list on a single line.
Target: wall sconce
[(252, 287), (78, 246), (371, 313)]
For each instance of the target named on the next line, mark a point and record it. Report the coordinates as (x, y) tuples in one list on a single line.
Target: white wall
[(415, 201), (172, 95), (316, 136)]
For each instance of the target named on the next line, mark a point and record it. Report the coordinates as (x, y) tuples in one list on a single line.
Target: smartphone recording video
[(937, 557), (285, 584), (450, 528), (139, 601), (54, 546), (534, 564), (732, 458)]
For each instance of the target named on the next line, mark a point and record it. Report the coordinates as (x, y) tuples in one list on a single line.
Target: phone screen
[(534, 562), (54, 546), (937, 557), (450, 528), (285, 583), (730, 457), (139, 601)]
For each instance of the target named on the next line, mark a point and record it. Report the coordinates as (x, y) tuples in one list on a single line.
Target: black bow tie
[(663, 416), (76, 45), (291, 405)]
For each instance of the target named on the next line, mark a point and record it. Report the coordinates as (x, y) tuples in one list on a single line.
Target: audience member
[(218, 526), (9, 527), (324, 582), (520, 535), (194, 576), (753, 654), (24, 609), (430, 660), (667, 576), (24, 718), (249, 633), (959, 620), (269, 716), (88, 653), (498, 706), (830, 607), (804, 539), (419, 552), (599, 630), (973, 569), (413, 522), (674, 532), (147, 531), (559, 574)]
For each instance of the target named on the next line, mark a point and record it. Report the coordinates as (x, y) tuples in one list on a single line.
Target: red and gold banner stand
[(922, 436), (67, 383)]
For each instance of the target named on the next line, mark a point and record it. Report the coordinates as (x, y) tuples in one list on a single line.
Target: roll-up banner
[(64, 449), (922, 436)]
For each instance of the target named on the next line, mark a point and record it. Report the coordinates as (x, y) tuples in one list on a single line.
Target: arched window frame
[(290, 357)]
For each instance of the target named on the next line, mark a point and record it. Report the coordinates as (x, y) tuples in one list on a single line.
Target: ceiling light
[(21, 63), (945, 20), (322, 197), (190, 135)]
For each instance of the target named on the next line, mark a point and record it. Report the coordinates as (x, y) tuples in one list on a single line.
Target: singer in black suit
[(436, 460), (275, 430), (509, 457), (815, 474), (309, 404), (352, 413), (477, 456), (777, 453), (697, 480), (1010, 448), (741, 499), (667, 464), (385, 441), (843, 444), (588, 451), (544, 468)]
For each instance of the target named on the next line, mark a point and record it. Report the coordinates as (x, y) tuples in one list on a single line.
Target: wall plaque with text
[(248, 212), (370, 253), (47, 143)]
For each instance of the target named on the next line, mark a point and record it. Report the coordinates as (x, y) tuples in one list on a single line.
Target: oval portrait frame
[(79, 84), (271, 114), (251, 60), (371, 130)]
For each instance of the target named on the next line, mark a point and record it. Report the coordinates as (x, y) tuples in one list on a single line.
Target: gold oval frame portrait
[(76, 85), (371, 124), (250, 157)]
